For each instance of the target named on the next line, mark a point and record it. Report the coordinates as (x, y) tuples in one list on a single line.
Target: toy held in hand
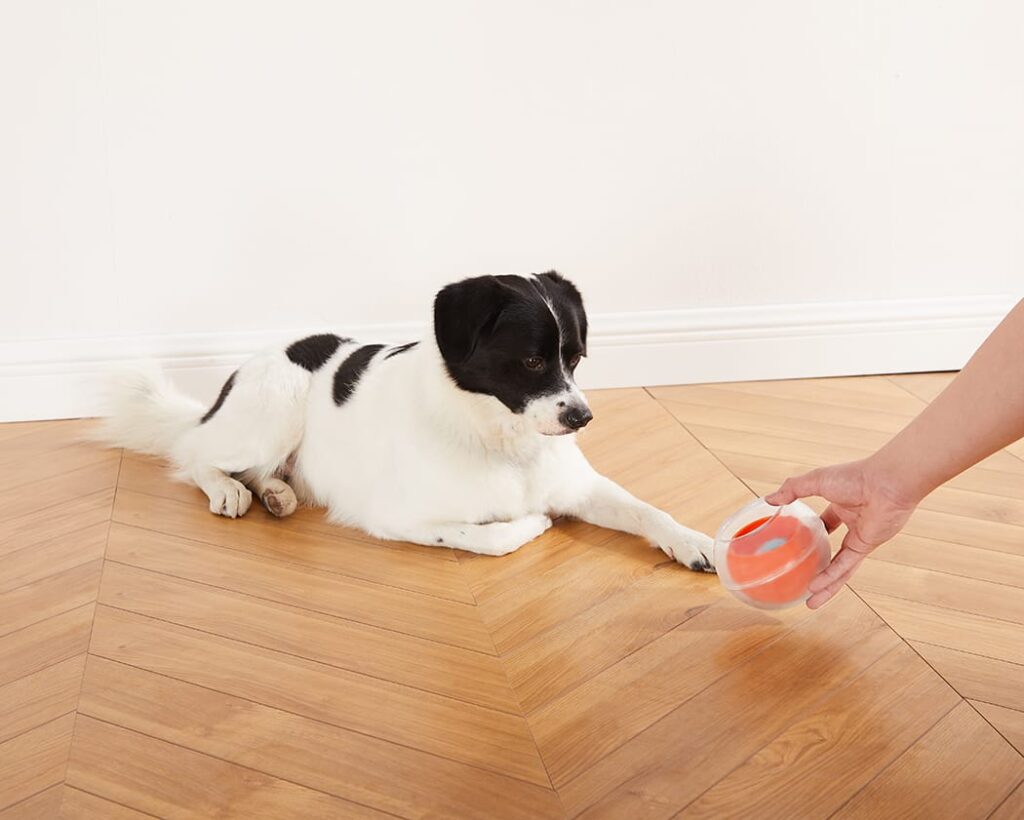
[(766, 556)]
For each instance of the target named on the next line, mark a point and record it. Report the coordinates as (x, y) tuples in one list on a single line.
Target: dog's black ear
[(464, 312)]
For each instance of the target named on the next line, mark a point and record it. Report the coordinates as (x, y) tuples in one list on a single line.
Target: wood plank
[(972, 532), (957, 560), (166, 780), (48, 437), (79, 805), (41, 697), (777, 470), (1008, 722), (816, 451), (960, 768), (34, 760), (716, 396), (38, 466), (524, 612), (721, 441), (38, 561), (976, 505), (674, 761), (785, 427), (976, 677), (827, 756), (346, 764), (925, 386), (1012, 808), (418, 569), (42, 806), (450, 728), (14, 429), (863, 395), (1016, 449), (43, 644), (390, 656), (145, 474), (40, 495), (583, 725), (582, 646), (55, 522), (49, 596), (967, 632), (640, 445), (940, 589), (566, 540), (425, 616)]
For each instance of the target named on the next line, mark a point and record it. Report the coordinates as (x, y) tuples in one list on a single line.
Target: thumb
[(799, 486)]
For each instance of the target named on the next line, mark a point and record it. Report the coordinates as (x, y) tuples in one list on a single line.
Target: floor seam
[(302, 716), (92, 625), (232, 763), (936, 671), (310, 610)]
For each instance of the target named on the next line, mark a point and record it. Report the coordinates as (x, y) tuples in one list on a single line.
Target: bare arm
[(981, 411)]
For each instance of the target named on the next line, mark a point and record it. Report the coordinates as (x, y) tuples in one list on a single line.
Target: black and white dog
[(463, 439)]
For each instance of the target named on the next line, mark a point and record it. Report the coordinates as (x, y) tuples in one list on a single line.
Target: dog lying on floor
[(463, 439)]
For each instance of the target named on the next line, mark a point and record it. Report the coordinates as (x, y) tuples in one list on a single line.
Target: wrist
[(898, 477)]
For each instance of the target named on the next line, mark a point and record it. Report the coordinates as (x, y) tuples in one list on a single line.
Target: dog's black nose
[(576, 417)]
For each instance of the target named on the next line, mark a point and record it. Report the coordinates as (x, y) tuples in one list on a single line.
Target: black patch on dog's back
[(312, 352), (347, 376), (220, 399), (401, 349)]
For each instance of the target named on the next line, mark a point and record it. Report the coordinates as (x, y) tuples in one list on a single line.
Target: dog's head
[(518, 339)]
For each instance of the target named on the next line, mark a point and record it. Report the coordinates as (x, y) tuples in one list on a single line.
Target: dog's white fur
[(409, 457)]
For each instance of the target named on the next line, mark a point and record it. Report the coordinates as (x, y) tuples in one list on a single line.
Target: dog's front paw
[(230, 498), (692, 549), (536, 525)]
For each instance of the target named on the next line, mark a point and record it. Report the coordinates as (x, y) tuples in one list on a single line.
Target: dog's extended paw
[(693, 550), (231, 499)]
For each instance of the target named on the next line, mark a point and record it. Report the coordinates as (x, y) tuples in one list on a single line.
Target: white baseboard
[(57, 378)]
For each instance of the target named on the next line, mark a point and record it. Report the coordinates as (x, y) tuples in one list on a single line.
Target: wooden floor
[(157, 660)]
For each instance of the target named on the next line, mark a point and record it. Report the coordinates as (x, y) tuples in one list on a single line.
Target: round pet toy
[(766, 556)]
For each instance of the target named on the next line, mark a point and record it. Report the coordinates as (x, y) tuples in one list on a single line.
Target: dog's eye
[(575, 360), (534, 363)]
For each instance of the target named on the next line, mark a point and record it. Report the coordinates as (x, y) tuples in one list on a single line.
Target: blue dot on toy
[(771, 544)]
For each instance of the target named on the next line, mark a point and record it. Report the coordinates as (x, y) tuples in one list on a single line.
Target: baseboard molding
[(57, 378)]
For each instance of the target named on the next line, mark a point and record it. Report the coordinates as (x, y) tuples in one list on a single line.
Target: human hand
[(862, 496)]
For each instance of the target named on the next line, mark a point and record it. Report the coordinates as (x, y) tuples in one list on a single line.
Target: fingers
[(799, 486), (830, 518), (832, 579)]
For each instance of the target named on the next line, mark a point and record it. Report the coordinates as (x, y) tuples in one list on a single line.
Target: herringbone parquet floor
[(156, 660)]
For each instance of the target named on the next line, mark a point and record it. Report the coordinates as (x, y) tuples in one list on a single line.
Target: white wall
[(175, 168)]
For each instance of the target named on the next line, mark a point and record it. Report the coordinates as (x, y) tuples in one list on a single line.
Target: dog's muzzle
[(576, 417)]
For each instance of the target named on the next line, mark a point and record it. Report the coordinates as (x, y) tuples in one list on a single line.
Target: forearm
[(980, 412)]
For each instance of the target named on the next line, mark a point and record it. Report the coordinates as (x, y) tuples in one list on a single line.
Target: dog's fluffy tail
[(144, 412)]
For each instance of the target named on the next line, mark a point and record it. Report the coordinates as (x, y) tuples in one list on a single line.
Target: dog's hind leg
[(274, 494), (238, 446), (496, 538)]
